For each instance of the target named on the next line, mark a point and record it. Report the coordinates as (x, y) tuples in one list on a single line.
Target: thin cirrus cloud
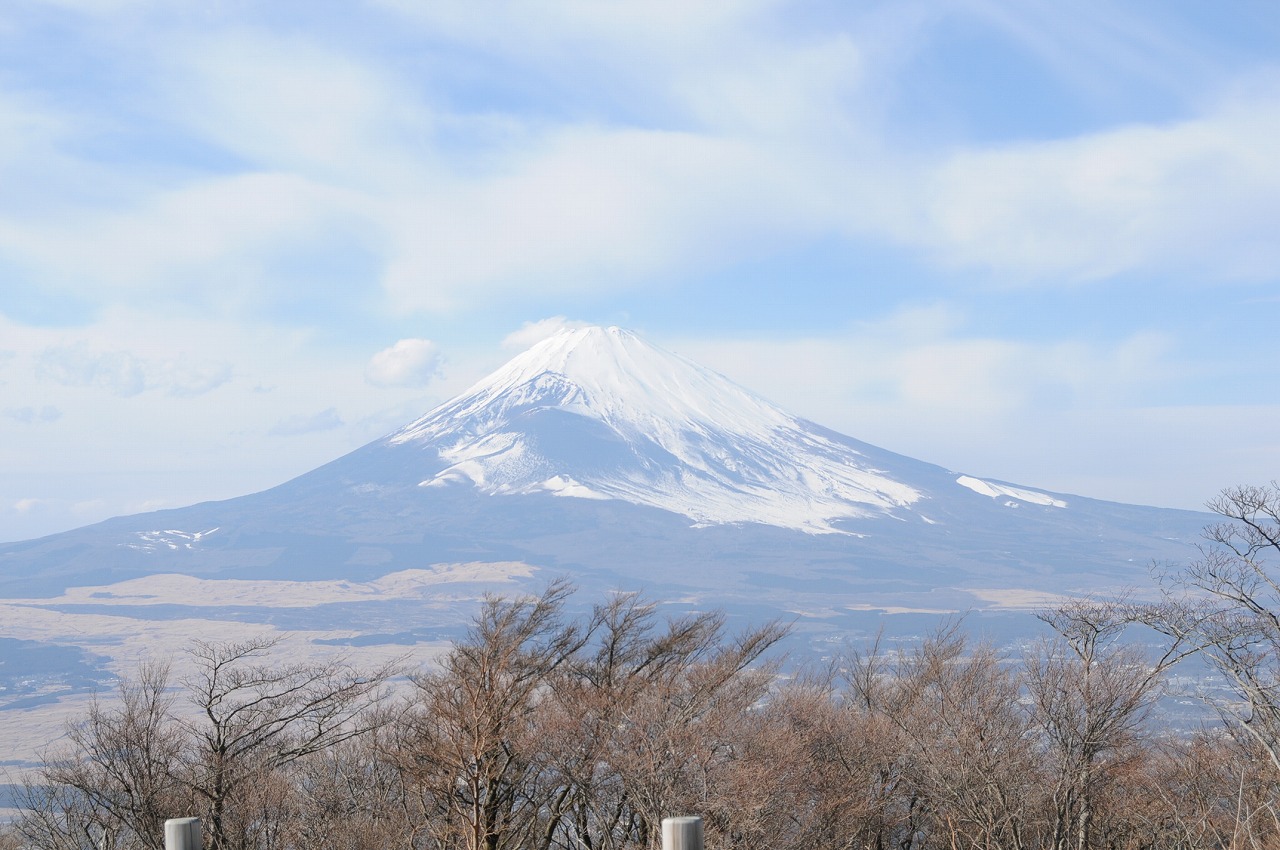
[(593, 209), (32, 415), (928, 363), (408, 363), (570, 206), (1198, 195), (807, 154), (288, 104), (122, 373), (750, 143), (294, 426), (205, 234)]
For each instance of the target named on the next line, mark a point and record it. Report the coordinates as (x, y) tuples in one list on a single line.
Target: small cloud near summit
[(24, 506), (408, 363), (532, 333)]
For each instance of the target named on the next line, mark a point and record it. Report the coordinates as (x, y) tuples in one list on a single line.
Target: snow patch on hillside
[(988, 488), (563, 485), (173, 539)]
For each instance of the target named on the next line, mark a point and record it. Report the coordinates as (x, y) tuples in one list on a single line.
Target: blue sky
[(1025, 240)]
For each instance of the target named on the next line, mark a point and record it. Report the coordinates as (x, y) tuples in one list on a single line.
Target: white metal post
[(182, 834), (682, 833)]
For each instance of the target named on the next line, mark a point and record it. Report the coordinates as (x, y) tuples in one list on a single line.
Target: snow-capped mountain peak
[(600, 413), (611, 374)]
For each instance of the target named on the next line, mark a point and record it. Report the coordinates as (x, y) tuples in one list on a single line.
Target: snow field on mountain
[(686, 439)]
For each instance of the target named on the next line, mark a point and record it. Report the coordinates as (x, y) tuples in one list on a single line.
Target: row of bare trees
[(546, 731), (135, 761)]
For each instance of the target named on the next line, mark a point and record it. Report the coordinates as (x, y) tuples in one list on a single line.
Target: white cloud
[(780, 140), (125, 374), (26, 130), (532, 333), (1073, 416), (181, 377), (747, 142), (290, 104), (30, 415), (917, 368), (586, 210), (408, 363), (117, 372), (333, 144), (609, 33), (116, 453), (1196, 197), (206, 238), (718, 68), (293, 426)]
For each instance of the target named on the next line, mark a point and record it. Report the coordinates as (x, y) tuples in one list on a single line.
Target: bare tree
[(813, 768), (1090, 693), (879, 695), (473, 742), (956, 759), (628, 653), (57, 817), (1198, 791), (352, 796), (677, 737), (1227, 602), (968, 741), (254, 719), (113, 783)]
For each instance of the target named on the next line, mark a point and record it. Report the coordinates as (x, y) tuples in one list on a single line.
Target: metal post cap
[(182, 834)]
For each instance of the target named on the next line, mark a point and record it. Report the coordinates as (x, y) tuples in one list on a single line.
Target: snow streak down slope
[(599, 413)]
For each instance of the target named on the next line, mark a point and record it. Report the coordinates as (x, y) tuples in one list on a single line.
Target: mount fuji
[(600, 457), (595, 451)]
